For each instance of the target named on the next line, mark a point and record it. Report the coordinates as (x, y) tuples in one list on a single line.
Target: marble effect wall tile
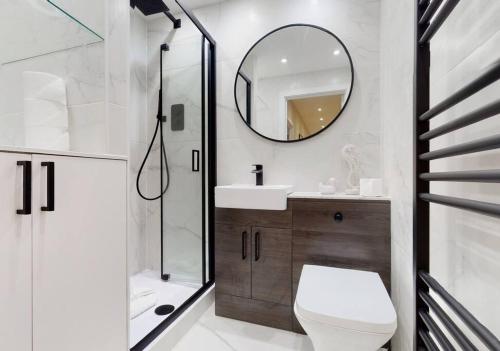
[(137, 143), (357, 24), (396, 109)]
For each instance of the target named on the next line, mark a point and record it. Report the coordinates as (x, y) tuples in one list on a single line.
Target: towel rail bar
[(475, 116), (438, 20), (491, 75), (480, 176), (486, 208), (470, 321), (452, 328), (484, 144)]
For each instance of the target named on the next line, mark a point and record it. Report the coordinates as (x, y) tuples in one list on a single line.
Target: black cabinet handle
[(257, 246), (244, 236), (50, 187), (26, 210), (195, 160), (338, 217)]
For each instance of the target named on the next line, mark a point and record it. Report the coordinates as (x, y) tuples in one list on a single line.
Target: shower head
[(149, 7), (164, 47), (152, 7)]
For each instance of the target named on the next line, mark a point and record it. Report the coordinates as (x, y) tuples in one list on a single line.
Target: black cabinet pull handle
[(50, 187), (257, 246), (244, 236), (338, 217), (26, 210), (195, 160)]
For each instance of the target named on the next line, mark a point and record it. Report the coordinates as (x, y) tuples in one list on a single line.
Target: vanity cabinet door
[(272, 265), (233, 260)]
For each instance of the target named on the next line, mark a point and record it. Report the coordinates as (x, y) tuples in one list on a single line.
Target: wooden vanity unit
[(259, 254)]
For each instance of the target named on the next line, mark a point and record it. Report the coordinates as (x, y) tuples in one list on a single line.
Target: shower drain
[(164, 309)]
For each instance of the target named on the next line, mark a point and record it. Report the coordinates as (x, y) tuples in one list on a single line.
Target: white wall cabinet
[(63, 270)]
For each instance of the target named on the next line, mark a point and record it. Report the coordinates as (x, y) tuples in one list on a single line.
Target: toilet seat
[(344, 298)]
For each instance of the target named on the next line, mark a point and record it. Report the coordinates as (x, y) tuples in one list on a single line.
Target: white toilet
[(343, 309)]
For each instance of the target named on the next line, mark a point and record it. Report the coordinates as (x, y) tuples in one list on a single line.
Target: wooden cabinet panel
[(361, 217), (254, 311), (233, 255), (15, 258), (79, 256), (276, 219), (272, 265), (351, 251)]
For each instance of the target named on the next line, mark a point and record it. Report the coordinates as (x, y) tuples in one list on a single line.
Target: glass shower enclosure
[(180, 237)]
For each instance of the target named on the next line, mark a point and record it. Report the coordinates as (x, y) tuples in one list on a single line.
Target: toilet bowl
[(344, 309)]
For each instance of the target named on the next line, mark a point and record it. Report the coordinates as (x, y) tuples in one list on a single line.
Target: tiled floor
[(211, 333)]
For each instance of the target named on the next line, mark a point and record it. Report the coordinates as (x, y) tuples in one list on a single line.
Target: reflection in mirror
[(51, 73), (294, 83)]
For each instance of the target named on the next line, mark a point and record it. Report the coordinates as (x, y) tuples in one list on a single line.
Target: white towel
[(140, 291), (45, 111), (141, 304)]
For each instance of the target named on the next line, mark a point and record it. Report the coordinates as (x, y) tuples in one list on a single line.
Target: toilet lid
[(345, 298)]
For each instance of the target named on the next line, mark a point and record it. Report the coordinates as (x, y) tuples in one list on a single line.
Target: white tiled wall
[(396, 111), (236, 25), (137, 141)]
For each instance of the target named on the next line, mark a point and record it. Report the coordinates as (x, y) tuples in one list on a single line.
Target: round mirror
[(294, 83)]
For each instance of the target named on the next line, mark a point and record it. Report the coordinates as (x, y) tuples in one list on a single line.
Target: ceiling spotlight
[(320, 109), (321, 119), (284, 60), (322, 127), (336, 52)]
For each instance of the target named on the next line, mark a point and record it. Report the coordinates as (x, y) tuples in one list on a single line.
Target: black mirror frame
[(264, 37)]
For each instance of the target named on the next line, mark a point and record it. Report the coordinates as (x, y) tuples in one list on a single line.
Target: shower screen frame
[(209, 179)]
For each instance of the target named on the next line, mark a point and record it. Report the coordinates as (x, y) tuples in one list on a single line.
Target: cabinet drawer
[(352, 217), (263, 218), (259, 312)]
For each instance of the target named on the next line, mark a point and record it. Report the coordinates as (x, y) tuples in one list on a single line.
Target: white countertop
[(27, 150), (340, 196)]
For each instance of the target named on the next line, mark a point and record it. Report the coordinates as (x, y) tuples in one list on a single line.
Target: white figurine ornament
[(350, 155)]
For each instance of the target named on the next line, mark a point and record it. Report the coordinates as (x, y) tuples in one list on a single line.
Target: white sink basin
[(254, 197)]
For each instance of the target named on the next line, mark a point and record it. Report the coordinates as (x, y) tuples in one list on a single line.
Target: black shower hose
[(144, 162)]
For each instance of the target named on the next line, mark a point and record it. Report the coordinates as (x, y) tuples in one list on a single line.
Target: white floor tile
[(212, 333)]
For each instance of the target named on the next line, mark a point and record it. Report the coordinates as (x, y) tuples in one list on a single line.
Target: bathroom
[(151, 150)]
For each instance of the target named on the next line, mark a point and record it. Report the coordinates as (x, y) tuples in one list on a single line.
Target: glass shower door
[(183, 214)]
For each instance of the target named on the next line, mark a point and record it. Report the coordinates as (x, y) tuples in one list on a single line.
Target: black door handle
[(195, 160), (257, 246), (244, 236), (26, 210), (50, 187)]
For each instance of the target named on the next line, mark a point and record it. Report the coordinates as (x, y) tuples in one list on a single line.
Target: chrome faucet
[(259, 174)]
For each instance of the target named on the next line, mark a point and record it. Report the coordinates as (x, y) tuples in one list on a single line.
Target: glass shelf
[(31, 28)]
